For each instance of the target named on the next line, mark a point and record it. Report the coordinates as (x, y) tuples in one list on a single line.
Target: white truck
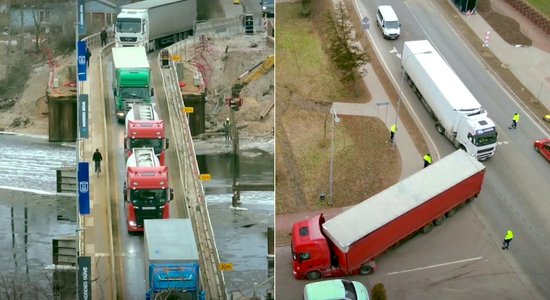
[(151, 23), (456, 111)]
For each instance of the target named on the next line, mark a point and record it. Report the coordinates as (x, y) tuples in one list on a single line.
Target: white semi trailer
[(457, 113), (150, 23)]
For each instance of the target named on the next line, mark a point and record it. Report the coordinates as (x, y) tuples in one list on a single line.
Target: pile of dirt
[(27, 114), (224, 61)]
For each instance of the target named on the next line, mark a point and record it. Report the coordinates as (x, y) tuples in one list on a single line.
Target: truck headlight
[(132, 223)]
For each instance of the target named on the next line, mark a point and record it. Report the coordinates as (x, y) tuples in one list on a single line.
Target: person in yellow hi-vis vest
[(507, 239), (393, 130), (427, 160), (515, 120)]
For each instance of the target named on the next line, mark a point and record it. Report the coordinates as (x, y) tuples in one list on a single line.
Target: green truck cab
[(131, 79)]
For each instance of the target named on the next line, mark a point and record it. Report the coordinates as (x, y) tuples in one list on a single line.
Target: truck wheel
[(439, 221), (366, 270), (440, 128), (426, 229), (313, 275), (451, 212)]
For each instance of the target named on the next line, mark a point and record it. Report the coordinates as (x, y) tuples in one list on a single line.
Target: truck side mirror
[(167, 143), (171, 194), (125, 145), (115, 92), (152, 91), (125, 193)]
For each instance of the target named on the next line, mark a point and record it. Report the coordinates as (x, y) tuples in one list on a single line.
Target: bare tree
[(39, 10)]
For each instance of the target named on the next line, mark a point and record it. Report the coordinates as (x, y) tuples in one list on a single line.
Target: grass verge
[(307, 84)]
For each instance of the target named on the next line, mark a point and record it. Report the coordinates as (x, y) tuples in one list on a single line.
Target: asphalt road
[(514, 194)]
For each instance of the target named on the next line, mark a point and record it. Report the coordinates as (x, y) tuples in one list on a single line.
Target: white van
[(387, 21)]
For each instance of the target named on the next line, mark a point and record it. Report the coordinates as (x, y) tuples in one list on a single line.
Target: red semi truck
[(146, 191), (348, 243), (144, 129)]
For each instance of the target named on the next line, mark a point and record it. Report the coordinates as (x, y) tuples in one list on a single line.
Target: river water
[(31, 215)]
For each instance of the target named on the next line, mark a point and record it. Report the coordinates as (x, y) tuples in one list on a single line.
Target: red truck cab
[(310, 249)]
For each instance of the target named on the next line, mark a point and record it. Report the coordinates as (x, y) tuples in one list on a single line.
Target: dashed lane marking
[(438, 265)]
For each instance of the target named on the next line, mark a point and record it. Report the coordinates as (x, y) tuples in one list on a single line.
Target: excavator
[(252, 74), (234, 102)]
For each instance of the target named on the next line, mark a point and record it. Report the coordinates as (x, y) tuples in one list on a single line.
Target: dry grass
[(306, 85)]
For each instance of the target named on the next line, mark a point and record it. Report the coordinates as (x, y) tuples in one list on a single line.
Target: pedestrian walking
[(226, 127), (507, 239), (427, 160), (515, 120), (97, 158), (103, 36), (88, 55), (393, 130)]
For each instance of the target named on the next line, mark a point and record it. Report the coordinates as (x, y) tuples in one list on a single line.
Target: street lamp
[(401, 84), (335, 119)]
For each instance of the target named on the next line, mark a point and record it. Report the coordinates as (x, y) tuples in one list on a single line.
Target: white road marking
[(435, 266)]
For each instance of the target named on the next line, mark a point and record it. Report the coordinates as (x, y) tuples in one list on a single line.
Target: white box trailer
[(457, 113), (150, 23), (130, 58)]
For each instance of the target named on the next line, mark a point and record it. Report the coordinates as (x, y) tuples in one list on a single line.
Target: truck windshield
[(146, 143), (134, 93), (128, 25), (148, 197), (486, 138)]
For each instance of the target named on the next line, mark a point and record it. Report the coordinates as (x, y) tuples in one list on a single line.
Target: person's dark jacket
[(103, 35), (97, 156)]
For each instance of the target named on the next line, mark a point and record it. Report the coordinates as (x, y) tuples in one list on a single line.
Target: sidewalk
[(97, 224), (530, 65), (534, 73)]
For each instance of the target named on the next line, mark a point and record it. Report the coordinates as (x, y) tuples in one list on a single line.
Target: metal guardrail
[(215, 284), (227, 27)]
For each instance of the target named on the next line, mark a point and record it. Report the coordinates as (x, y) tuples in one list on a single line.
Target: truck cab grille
[(128, 39)]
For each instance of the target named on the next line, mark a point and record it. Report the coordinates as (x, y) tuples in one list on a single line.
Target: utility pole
[(234, 104)]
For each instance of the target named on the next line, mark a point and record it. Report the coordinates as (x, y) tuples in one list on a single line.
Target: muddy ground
[(28, 112)]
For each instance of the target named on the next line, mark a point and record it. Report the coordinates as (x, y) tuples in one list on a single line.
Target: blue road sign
[(84, 188), (81, 60), (83, 115)]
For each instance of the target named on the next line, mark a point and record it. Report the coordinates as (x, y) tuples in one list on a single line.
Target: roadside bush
[(378, 292), (17, 74), (343, 47)]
